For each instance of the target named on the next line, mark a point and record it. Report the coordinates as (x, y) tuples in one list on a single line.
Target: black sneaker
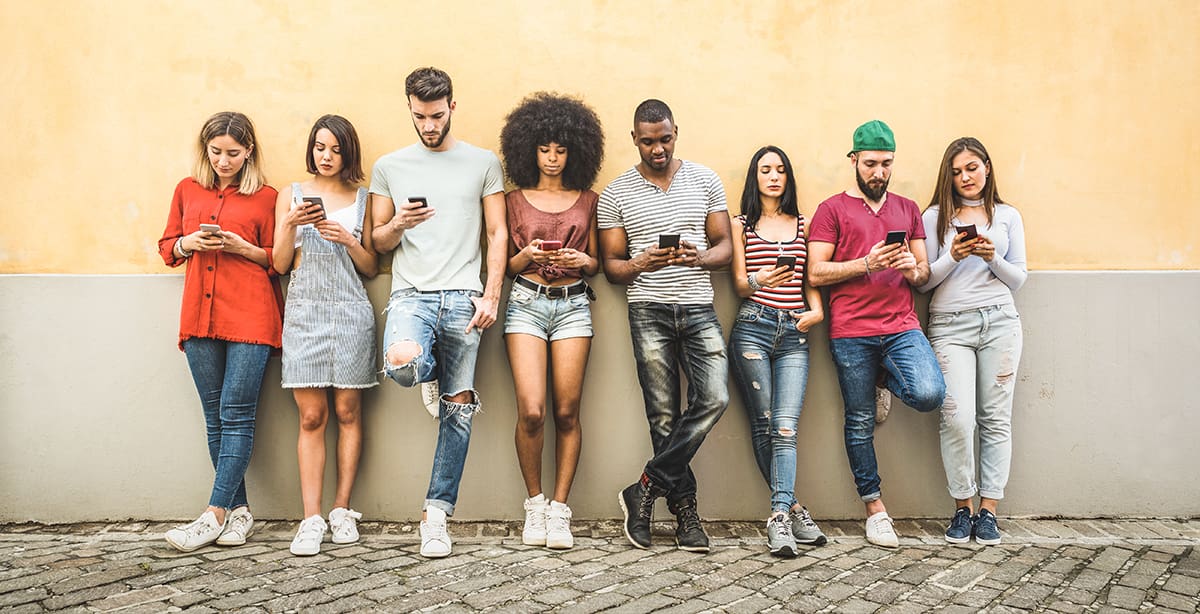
[(637, 503), (689, 535)]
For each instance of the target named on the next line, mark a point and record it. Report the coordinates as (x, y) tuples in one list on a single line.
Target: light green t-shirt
[(442, 253)]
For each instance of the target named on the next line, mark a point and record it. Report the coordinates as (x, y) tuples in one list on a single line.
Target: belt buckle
[(556, 292)]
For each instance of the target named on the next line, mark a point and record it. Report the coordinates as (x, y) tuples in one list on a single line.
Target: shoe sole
[(875, 543), (235, 543), (533, 541), (958, 540), (342, 542), (987, 542), (816, 541), (183, 549), (625, 524), (564, 545), (435, 555), (700, 549), (305, 552), (785, 552)]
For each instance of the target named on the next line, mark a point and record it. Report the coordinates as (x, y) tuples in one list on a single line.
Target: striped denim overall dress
[(328, 323)]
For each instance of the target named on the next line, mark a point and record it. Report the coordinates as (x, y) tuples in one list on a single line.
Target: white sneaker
[(197, 534), (534, 532), (558, 526), (341, 521), (883, 404), (435, 541), (880, 531), (309, 537), (239, 524), (431, 396)]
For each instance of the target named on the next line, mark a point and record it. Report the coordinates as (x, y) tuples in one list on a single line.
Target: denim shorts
[(551, 319)]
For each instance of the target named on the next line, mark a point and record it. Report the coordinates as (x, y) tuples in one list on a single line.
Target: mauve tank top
[(572, 226)]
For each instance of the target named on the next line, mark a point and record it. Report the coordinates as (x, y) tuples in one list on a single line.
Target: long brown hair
[(946, 198)]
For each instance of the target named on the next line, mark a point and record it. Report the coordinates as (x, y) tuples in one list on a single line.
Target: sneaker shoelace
[(195, 527), (689, 519), (883, 525), (311, 528), (558, 522), (646, 505), (345, 522), (804, 519), (239, 523), (535, 519), (779, 527), (435, 530)]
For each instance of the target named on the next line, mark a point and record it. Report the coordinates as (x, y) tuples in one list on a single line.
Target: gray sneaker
[(779, 536), (805, 530)]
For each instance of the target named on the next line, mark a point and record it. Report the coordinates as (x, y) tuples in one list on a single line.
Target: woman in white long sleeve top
[(976, 247)]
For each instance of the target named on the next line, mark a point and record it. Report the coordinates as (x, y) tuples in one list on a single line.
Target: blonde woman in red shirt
[(329, 327), (222, 225)]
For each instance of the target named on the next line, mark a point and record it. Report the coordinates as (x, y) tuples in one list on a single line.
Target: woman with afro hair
[(552, 146)]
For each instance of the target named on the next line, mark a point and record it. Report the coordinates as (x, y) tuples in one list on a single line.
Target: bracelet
[(179, 248), (753, 281), (867, 264)]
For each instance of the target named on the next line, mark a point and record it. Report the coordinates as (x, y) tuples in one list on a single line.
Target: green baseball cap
[(873, 136)]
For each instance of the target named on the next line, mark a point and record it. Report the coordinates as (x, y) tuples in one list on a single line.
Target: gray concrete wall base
[(99, 419)]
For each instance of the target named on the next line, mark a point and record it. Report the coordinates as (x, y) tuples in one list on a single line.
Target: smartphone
[(895, 236), (315, 200), (420, 200), (212, 229), (668, 240), (549, 246), (787, 261), (969, 229)]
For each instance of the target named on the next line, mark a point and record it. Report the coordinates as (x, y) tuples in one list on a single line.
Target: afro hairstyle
[(542, 118)]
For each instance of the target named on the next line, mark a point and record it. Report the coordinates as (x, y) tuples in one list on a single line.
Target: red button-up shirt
[(225, 296)]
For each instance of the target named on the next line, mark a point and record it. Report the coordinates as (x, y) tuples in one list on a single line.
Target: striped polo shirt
[(761, 253), (645, 211)]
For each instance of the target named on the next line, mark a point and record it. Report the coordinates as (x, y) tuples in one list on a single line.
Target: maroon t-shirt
[(572, 226), (881, 303)]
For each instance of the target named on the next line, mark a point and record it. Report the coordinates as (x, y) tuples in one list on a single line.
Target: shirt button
[(220, 196), (212, 217), (207, 295), (210, 268)]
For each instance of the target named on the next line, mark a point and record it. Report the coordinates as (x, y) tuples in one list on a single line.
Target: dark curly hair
[(544, 117)]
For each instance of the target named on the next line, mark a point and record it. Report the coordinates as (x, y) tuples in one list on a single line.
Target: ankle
[(219, 512)]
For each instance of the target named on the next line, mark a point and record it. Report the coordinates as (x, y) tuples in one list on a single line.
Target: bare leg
[(310, 448), (569, 357), (348, 405), (988, 504), (527, 356)]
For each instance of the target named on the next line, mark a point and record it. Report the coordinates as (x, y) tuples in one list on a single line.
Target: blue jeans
[(911, 372), (665, 338), (979, 350), (769, 359), (437, 321), (228, 377)]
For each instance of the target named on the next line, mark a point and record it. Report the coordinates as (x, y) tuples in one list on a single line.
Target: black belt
[(552, 291)]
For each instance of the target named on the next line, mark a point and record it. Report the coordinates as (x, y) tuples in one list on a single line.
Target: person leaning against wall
[(552, 147), (865, 245), (768, 348), (329, 326), (222, 224), (976, 245), (430, 201), (663, 227)]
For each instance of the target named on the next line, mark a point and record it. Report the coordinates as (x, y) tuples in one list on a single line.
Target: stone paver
[(1098, 565)]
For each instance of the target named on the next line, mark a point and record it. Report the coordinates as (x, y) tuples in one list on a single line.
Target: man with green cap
[(864, 245)]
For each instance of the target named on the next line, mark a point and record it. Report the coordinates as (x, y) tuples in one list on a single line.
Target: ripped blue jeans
[(437, 322)]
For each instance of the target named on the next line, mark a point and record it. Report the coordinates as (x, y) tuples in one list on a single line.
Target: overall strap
[(360, 201)]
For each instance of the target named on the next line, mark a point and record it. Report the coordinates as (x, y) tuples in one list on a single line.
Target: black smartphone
[(969, 229), (895, 236), (787, 261), (315, 200), (420, 200), (668, 240)]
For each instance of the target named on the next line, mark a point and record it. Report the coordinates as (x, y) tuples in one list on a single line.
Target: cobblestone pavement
[(1044, 565)]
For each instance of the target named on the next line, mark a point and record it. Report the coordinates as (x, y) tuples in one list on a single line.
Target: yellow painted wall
[(1089, 108)]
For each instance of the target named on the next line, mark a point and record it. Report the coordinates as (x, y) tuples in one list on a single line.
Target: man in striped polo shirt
[(663, 227)]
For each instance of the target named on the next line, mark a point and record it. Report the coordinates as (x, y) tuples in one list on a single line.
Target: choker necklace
[(972, 203)]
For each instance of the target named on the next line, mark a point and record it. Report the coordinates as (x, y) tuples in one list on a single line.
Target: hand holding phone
[(212, 229), (969, 230), (314, 201), (668, 240), (895, 236), (420, 201), (549, 246), (786, 261)]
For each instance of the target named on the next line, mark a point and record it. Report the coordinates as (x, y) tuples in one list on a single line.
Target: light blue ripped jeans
[(979, 350), (437, 321)]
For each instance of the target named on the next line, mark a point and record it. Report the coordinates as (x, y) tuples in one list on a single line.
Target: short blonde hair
[(251, 178)]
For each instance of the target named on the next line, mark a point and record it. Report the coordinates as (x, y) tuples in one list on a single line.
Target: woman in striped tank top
[(328, 326), (768, 347)]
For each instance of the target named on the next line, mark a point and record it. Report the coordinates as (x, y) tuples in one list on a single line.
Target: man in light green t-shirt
[(430, 201)]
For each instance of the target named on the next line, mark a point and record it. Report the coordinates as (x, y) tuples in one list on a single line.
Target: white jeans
[(979, 350)]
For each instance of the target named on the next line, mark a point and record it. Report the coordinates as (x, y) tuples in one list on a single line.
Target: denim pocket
[(579, 301), (940, 319), (1010, 311), (749, 313), (521, 295)]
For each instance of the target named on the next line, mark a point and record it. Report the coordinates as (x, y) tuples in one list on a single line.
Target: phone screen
[(315, 200), (895, 236), (787, 261), (419, 200), (671, 240), (969, 229)]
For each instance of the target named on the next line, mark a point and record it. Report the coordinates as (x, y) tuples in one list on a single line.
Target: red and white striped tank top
[(761, 253)]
